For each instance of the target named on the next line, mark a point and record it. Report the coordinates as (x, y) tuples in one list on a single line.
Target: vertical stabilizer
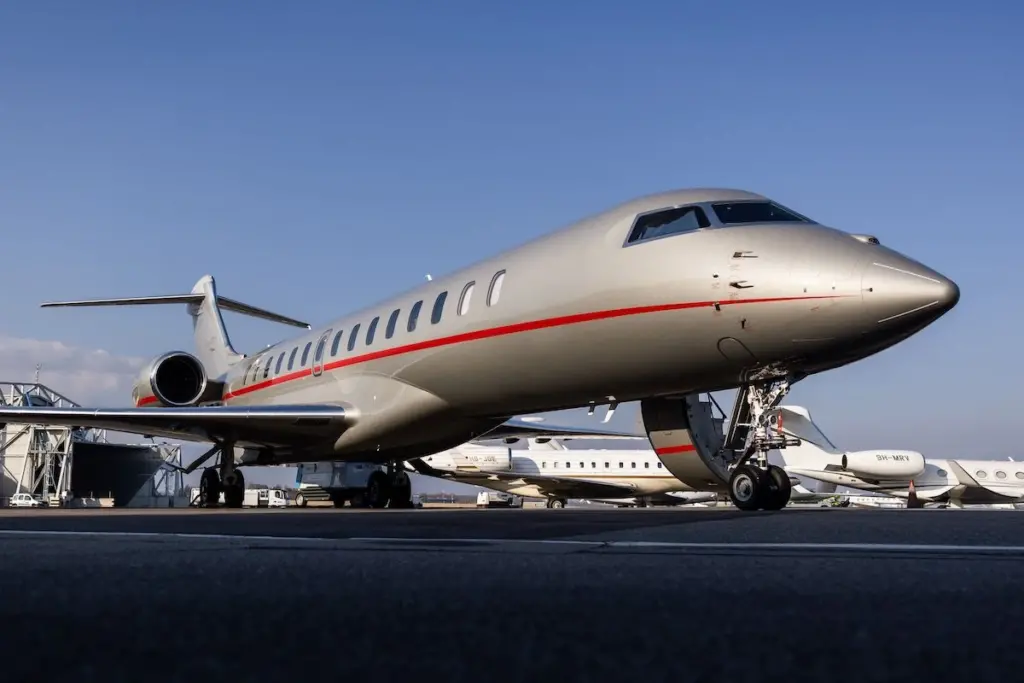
[(814, 451), (213, 347)]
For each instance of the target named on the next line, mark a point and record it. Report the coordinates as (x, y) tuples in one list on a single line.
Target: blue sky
[(318, 156)]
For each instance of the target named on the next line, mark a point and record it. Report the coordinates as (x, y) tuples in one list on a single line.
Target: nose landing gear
[(753, 483)]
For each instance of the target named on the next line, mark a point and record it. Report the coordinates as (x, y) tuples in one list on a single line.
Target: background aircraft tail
[(814, 452), (213, 346)]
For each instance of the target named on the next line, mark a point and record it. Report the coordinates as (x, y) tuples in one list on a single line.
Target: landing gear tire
[(401, 491), (378, 490), (556, 504), (234, 489), (779, 489), (300, 500), (748, 487), (209, 488)]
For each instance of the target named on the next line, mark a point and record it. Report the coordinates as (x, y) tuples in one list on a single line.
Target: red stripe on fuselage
[(670, 450), (502, 331)]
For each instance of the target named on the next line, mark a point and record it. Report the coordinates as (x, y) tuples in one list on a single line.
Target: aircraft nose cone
[(907, 290)]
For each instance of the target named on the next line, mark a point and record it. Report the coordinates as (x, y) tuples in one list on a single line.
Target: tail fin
[(213, 347), (814, 452)]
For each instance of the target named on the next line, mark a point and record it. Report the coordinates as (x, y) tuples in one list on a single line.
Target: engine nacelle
[(174, 380), (884, 464)]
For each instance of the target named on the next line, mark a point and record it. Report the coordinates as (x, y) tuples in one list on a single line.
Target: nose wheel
[(753, 488)]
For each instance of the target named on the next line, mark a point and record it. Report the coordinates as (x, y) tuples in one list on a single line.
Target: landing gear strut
[(226, 479), (753, 483)]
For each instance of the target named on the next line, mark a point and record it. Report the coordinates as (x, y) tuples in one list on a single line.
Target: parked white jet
[(957, 482), (549, 469)]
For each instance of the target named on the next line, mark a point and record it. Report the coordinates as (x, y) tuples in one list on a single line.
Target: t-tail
[(813, 452), (204, 305)]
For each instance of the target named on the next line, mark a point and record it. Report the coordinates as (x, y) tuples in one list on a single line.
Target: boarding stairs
[(688, 434)]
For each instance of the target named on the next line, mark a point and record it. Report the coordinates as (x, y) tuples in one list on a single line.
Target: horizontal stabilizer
[(195, 298)]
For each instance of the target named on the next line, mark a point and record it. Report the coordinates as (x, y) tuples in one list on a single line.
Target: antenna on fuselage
[(429, 278)]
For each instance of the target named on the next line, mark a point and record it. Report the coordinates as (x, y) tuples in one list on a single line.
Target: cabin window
[(659, 464), (280, 362), (494, 291), (981, 474), (735, 213), (291, 358), (582, 466), (337, 342), (266, 370), (568, 464), (435, 316), (353, 335), (633, 465), (647, 465), (371, 330), (305, 353), (941, 473), (607, 466), (414, 314), (255, 371), (676, 221), (392, 321), (593, 465), (621, 465), (1000, 474), (1019, 475), (467, 294)]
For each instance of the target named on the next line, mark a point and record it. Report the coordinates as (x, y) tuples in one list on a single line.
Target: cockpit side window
[(735, 213), (669, 222)]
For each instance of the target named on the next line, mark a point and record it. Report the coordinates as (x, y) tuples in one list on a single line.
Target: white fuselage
[(640, 472), (967, 481)]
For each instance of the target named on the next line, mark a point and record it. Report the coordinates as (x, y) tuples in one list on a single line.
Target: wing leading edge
[(282, 425), (262, 425)]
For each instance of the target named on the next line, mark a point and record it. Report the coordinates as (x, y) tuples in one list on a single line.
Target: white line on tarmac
[(682, 545)]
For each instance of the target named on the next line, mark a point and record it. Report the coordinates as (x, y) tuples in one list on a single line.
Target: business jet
[(549, 469), (654, 300), (895, 472)]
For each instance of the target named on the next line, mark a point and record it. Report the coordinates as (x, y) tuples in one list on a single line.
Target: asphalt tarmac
[(511, 595)]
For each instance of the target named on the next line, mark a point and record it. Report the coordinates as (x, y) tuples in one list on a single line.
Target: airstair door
[(318, 356)]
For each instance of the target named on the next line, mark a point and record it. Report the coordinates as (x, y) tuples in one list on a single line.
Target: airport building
[(79, 467)]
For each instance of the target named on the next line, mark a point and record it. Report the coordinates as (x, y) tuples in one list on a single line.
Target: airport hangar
[(82, 467)]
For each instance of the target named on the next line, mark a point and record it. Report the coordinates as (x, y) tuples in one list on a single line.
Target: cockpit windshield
[(668, 222), (734, 213)]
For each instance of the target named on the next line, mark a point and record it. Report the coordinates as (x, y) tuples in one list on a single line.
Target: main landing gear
[(225, 478), (555, 503), (753, 483), (385, 488)]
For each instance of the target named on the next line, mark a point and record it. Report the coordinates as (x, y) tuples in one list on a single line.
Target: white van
[(23, 500)]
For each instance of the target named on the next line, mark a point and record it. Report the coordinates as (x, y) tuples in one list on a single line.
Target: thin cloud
[(86, 376)]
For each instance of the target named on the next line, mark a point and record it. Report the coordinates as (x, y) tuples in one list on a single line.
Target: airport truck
[(359, 484)]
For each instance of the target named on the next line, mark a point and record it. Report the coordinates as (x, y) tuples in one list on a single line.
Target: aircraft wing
[(522, 428), (246, 424), (568, 487)]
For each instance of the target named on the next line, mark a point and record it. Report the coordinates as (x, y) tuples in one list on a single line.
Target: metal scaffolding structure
[(39, 459)]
